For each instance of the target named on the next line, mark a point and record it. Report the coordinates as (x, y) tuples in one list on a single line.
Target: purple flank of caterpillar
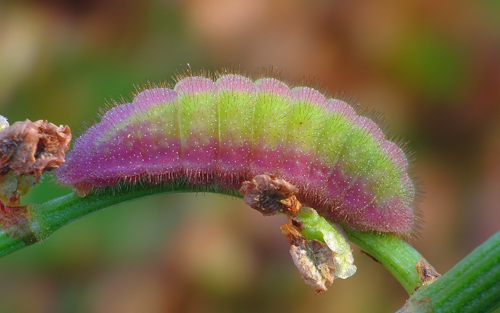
[(224, 132)]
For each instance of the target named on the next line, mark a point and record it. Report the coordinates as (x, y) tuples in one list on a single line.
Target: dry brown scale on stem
[(426, 272)]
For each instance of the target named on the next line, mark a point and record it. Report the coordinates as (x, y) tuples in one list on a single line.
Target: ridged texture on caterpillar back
[(226, 131)]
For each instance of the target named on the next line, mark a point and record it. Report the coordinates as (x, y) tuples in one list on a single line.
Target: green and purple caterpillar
[(224, 132)]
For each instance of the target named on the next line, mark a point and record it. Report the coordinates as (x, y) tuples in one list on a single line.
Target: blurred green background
[(431, 67)]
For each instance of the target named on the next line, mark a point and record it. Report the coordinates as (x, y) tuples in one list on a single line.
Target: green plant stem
[(9, 245), (472, 285), (52, 215), (48, 217), (394, 253)]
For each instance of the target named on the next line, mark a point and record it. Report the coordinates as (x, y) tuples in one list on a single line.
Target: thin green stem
[(394, 253), (8, 244), (473, 285), (48, 217), (52, 215)]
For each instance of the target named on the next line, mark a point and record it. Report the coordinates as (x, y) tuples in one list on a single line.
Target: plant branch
[(472, 285), (394, 253), (39, 221)]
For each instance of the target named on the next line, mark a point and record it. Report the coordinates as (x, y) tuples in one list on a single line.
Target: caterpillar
[(223, 129)]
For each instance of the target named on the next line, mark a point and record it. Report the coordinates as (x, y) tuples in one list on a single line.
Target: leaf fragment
[(313, 258)]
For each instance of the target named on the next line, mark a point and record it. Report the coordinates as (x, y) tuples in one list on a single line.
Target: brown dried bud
[(28, 148), (270, 195)]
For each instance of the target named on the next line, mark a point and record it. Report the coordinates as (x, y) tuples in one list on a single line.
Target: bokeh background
[(431, 67)]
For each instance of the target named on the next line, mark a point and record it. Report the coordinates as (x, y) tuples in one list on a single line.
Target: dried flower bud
[(26, 150), (270, 195)]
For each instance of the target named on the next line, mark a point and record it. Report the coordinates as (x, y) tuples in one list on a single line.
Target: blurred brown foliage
[(431, 67)]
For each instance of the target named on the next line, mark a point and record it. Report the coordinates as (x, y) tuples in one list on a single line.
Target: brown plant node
[(15, 223), (426, 273)]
